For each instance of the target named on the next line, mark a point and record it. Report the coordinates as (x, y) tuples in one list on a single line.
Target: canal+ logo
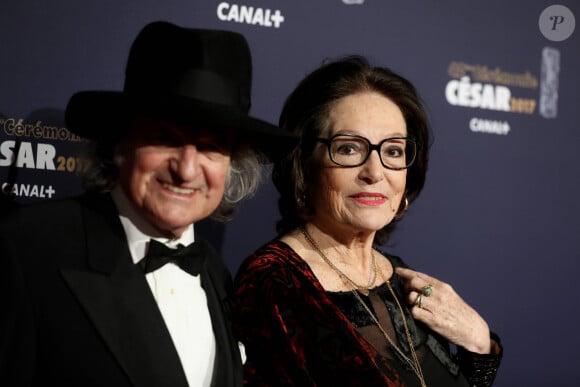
[(264, 17)]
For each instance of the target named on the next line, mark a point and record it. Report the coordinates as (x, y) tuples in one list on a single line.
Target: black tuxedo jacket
[(77, 312)]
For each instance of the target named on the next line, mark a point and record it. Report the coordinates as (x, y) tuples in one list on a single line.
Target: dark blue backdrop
[(499, 217)]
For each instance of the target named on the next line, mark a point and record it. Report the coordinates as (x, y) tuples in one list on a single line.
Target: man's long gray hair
[(243, 177)]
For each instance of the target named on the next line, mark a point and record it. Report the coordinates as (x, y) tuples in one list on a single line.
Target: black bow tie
[(189, 259)]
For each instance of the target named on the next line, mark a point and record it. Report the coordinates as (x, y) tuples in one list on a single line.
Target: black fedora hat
[(197, 77)]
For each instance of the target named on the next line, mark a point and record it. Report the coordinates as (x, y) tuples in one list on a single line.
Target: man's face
[(173, 175)]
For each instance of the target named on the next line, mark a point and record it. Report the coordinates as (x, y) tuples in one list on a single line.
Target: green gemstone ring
[(428, 290)]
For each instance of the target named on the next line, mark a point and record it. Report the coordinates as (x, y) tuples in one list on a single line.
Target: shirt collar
[(139, 231)]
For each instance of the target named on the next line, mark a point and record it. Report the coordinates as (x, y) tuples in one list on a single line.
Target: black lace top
[(439, 366)]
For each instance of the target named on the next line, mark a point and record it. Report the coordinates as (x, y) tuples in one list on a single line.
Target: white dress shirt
[(179, 295)]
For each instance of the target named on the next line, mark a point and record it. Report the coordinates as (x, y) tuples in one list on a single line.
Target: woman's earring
[(404, 210), (301, 200)]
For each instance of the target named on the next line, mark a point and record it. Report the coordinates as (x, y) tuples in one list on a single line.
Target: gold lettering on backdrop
[(481, 73), (522, 105), (71, 164), (18, 128)]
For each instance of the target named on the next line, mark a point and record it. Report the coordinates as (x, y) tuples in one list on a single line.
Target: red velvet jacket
[(294, 335)]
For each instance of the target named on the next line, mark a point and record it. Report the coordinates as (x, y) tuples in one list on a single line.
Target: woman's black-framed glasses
[(351, 150)]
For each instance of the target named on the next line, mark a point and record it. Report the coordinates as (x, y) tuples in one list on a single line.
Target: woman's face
[(363, 198)]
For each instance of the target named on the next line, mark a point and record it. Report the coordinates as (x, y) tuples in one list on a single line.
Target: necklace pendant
[(363, 291)]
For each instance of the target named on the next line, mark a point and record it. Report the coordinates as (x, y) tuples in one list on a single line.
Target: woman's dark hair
[(306, 113)]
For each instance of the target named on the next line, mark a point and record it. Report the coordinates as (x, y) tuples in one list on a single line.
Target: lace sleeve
[(481, 370)]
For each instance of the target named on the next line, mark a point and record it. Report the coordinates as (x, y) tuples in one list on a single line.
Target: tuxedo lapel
[(116, 297), (215, 280)]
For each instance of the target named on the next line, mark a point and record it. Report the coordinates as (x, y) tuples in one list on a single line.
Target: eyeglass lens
[(354, 151)]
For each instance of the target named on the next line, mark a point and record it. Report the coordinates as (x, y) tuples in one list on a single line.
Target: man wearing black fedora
[(113, 288)]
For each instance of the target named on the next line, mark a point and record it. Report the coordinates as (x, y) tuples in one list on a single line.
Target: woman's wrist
[(481, 369)]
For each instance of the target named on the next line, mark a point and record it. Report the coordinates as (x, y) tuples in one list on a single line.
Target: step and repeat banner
[(499, 217)]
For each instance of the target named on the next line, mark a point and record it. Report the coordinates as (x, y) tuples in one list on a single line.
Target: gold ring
[(427, 290), (419, 301)]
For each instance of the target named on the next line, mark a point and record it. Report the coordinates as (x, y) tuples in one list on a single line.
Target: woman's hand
[(445, 312)]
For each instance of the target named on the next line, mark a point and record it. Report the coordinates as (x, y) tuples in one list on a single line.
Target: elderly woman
[(321, 305)]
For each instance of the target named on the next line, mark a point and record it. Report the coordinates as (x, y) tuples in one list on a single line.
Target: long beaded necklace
[(414, 363)]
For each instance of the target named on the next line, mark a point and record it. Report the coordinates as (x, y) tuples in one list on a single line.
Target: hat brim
[(105, 115)]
